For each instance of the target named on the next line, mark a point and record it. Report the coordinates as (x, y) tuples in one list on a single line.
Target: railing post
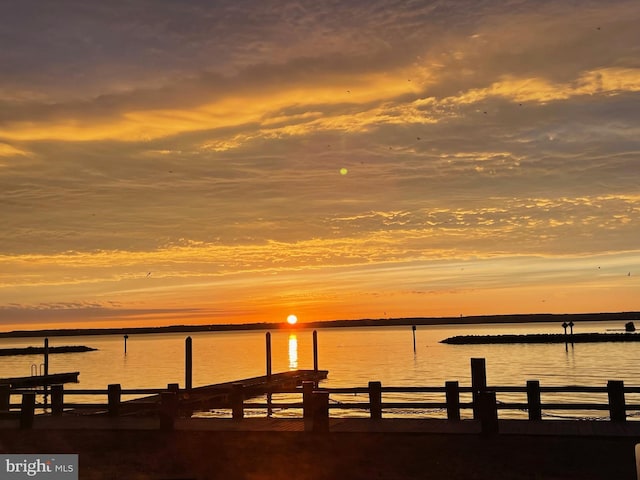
[(307, 390), (320, 417), (57, 399), (533, 400), (452, 390), (488, 412), (28, 410), (237, 401), (113, 394), (168, 410), (478, 382), (617, 404), (5, 397), (375, 400)]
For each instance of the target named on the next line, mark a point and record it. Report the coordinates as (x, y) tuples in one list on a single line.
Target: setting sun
[(292, 319)]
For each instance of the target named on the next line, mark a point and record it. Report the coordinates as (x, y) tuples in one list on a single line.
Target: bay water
[(353, 357)]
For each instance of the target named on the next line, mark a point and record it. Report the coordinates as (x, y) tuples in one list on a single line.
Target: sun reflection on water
[(293, 351)]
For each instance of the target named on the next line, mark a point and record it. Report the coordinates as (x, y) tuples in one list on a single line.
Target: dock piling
[(307, 390), (268, 348), (27, 412), (533, 400), (320, 417), (375, 400), (168, 410), (617, 404), (188, 363), (488, 411), (57, 399), (114, 391), (237, 401), (452, 392), (413, 329), (478, 382), (315, 351)]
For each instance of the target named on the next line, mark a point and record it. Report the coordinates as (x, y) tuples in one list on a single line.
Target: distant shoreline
[(542, 338), (9, 352), (381, 322)]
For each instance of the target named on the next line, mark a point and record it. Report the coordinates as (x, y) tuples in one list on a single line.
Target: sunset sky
[(179, 162)]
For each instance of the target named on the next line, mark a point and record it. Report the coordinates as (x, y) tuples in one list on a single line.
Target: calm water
[(353, 357)]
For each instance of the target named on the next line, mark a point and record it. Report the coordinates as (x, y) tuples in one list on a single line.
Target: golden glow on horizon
[(292, 319)]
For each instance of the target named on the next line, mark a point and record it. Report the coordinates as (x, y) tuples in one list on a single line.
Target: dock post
[(478, 382), (113, 394), (57, 399), (168, 410), (452, 390), (5, 397), (375, 400), (488, 411), (533, 400), (237, 401), (320, 417), (307, 390), (46, 356), (188, 363), (413, 328), (315, 351), (268, 341), (46, 367), (617, 404), (27, 412)]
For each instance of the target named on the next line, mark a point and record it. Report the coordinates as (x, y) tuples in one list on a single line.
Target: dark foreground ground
[(203, 455)]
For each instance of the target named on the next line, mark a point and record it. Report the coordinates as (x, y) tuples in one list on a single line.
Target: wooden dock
[(213, 396)]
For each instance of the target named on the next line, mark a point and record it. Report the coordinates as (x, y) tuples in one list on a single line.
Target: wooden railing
[(315, 403)]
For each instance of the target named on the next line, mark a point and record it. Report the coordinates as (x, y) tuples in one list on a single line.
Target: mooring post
[(315, 351), (237, 401), (375, 400), (114, 391), (5, 397), (188, 363), (533, 400), (57, 399), (46, 368), (413, 328), (488, 411), (452, 390), (168, 410), (268, 341), (28, 410), (617, 403), (320, 417), (478, 382), (125, 343)]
